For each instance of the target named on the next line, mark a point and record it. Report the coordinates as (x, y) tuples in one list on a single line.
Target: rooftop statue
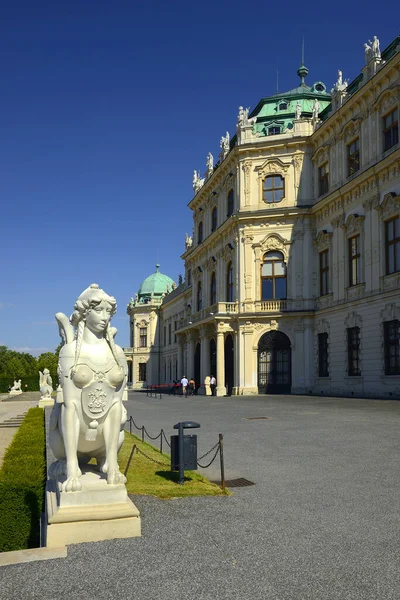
[(225, 143), (198, 182), (298, 111), (340, 85), (45, 383), (188, 241), (210, 163), (92, 371), (315, 109), (372, 50), (243, 118)]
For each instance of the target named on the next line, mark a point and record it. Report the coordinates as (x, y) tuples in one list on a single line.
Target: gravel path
[(321, 523)]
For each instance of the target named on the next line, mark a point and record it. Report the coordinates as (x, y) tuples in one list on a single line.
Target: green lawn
[(147, 477)]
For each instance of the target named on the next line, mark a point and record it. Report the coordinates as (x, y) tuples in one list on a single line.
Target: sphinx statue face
[(99, 317)]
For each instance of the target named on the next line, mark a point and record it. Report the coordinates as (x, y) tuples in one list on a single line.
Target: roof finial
[(157, 267), (302, 72)]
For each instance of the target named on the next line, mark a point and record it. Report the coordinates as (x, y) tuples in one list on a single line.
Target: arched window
[(213, 289), (229, 204), (273, 276), (273, 189), (214, 218), (229, 283), (200, 233), (199, 299)]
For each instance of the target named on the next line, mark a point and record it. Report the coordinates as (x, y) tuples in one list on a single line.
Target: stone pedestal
[(98, 512), (45, 401)]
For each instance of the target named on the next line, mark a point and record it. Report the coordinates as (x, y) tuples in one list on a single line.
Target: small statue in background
[(45, 383)]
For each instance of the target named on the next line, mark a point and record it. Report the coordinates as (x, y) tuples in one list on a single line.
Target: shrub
[(22, 482)]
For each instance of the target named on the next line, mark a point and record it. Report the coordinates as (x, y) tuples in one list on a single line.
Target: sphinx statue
[(88, 418), (45, 383), (16, 388)]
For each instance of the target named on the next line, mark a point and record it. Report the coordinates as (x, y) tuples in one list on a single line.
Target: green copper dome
[(156, 284)]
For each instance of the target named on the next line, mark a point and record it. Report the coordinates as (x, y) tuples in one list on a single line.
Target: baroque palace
[(292, 274)]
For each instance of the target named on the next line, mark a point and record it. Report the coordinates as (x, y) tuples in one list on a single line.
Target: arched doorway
[(196, 374), (274, 363), (228, 364), (213, 358)]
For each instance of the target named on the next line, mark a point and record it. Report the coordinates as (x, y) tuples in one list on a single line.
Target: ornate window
[(283, 106), (391, 342), (354, 260), (323, 179), (229, 283), (353, 351), (353, 157), (324, 272), (273, 276), (273, 188), (391, 129), (213, 289), (229, 204), (214, 218), (392, 245), (142, 371), (274, 130), (200, 232), (323, 355), (143, 337)]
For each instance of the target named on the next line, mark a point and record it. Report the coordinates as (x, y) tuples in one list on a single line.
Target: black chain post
[(221, 458), (142, 433), (130, 425)]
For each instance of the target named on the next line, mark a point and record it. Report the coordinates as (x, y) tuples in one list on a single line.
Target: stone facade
[(292, 275)]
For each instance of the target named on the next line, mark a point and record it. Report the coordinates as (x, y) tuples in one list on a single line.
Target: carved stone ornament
[(391, 312), (142, 323), (228, 252), (387, 100), (323, 240), (272, 166), (354, 224), (298, 163), (351, 130), (210, 264), (390, 205), (321, 156), (353, 319), (322, 326), (273, 242)]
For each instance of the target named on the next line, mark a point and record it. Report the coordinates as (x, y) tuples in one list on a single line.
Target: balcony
[(269, 306)]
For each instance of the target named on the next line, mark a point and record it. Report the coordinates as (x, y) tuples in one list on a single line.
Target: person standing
[(213, 385), (191, 386), (184, 383)]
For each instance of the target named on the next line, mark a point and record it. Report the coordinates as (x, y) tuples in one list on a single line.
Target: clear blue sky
[(106, 109)]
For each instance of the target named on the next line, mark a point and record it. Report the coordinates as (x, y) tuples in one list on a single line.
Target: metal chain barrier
[(207, 453), (212, 460), (157, 462)]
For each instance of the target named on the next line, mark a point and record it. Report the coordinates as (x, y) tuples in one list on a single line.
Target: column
[(190, 354), (204, 356), (221, 389), (180, 358)]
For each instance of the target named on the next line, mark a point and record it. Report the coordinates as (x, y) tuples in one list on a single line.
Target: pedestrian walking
[(213, 385), (184, 384)]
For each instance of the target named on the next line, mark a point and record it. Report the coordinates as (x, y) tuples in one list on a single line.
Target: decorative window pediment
[(354, 224), (353, 319), (352, 130), (272, 166), (391, 312), (322, 326), (390, 205), (323, 240), (273, 242), (321, 156), (387, 100)]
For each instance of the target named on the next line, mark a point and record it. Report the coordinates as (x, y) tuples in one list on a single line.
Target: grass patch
[(146, 477), (22, 481)]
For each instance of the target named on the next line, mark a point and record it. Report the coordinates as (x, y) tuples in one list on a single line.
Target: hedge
[(22, 485), (31, 381)]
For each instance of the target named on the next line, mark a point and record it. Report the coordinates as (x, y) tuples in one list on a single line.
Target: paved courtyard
[(321, 522)]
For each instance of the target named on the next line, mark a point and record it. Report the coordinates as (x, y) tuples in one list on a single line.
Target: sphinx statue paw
[(115, 477), (73, 482)]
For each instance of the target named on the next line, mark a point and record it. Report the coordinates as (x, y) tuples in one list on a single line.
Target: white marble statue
[(16, 388), (315, 109), (225, 143), (198, 182), (368, 53), (188, 241), (298, 111), (92, 372), (45, 383), (210, 163), (340, 85), (375, 49)]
